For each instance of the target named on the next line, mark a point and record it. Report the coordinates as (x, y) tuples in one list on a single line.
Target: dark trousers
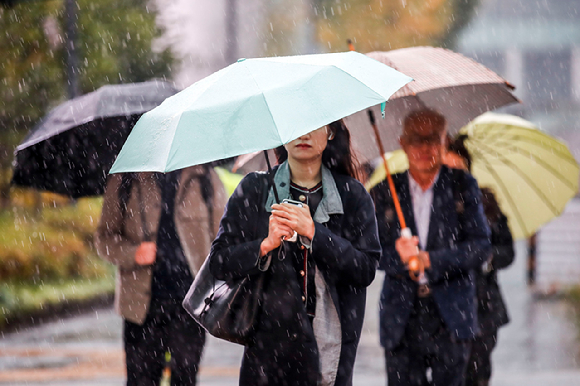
[(479, 364), (281, 362), (167, 327), (427, 344)]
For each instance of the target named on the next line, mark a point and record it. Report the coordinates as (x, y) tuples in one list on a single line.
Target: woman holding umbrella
[(313, 302), (491, 309)]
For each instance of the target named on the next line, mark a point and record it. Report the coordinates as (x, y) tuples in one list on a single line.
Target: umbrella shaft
[(271, 177), (389, 178)]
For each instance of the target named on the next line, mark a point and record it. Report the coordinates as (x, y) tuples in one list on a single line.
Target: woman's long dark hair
[(338, 156)]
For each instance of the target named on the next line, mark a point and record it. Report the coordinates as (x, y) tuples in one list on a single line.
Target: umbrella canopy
[(72, 148), (532, 174), (255, 104), (457, 87)]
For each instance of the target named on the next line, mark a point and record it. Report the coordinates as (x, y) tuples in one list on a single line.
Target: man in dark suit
[(429, 325)]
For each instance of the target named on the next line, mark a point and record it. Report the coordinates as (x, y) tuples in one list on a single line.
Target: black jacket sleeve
[(236, 249), (352, 257), (502, 243), (389, 231)]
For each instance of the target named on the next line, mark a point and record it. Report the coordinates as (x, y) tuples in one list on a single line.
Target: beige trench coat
[(117, 237)]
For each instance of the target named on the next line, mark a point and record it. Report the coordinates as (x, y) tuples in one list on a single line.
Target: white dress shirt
[(422, 204)]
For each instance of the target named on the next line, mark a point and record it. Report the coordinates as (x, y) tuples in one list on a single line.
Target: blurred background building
[(535, 45)]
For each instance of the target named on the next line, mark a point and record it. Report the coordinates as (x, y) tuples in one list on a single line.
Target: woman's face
[(310, 146)]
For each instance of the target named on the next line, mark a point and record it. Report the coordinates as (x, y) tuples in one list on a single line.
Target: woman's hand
[(296, 218), (276, 231)]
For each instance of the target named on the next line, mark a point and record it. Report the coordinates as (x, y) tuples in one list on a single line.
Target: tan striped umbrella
[(455, 86)]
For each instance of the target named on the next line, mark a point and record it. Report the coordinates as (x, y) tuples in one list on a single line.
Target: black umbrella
[(71, 150)]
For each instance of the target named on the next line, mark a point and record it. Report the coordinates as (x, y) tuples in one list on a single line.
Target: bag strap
[(207, 193)]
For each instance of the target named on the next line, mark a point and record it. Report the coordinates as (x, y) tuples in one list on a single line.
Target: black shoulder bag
[(226, 309)]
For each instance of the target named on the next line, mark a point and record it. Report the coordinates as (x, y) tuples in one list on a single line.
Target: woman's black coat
[(346, 250)]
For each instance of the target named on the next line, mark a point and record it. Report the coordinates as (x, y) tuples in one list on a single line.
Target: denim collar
[(331, 202)]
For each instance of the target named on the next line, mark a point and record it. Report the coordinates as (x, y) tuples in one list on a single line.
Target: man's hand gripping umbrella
[(414, 263)]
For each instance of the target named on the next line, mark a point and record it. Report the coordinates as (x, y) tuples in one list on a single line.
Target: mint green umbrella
[(255, 104)]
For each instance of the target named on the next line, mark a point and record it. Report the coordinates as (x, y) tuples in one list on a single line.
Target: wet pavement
[(539, 347)]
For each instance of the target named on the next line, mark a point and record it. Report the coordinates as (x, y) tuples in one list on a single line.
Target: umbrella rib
[(564, 155), (265, 100), (505, 190), (171, 146), (271, 115), (518, 171), (541, 162), (546, 165)]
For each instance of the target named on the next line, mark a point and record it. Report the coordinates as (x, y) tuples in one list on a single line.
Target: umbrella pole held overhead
[(416, 267)]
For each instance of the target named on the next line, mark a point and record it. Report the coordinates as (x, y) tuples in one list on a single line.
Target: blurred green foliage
[(229, 179), (54, 244), (47, 255), (116, 38)]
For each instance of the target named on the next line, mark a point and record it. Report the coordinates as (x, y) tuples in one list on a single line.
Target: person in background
[(157, 229), (491, 310), (426, 329)]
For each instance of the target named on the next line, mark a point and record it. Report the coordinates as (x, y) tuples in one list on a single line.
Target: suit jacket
[(120, 232), (458, 243)]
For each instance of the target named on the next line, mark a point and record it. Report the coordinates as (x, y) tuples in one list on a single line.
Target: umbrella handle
[(415, 265)]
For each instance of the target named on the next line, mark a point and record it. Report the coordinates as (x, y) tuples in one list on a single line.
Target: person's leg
[(250, 374), (405, 366), (274, 360), (143, 352), (479, 366), (449, 361), (473, 364), (186, 342)]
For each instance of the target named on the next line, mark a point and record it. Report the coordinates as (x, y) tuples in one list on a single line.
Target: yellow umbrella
[(532, 174)]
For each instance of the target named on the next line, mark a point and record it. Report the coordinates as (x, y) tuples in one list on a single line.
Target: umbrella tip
[(350, 45)]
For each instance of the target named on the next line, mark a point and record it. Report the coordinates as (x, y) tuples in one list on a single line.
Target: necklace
[(305, 193)]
